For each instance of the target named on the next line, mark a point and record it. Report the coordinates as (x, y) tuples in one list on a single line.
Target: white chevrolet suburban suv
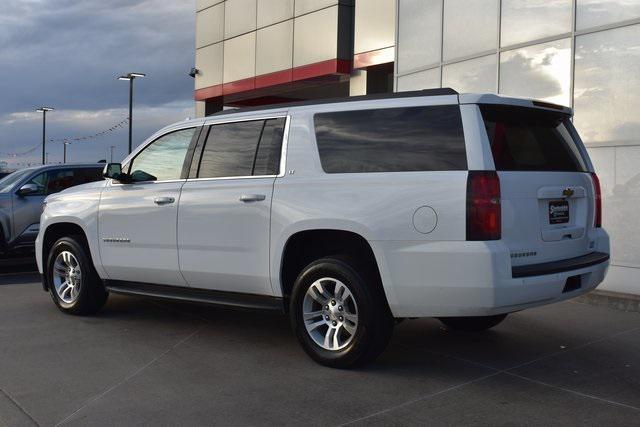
[(347, 214)]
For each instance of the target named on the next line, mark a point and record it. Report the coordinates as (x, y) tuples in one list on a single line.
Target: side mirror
[(27, 189), (114, 171)]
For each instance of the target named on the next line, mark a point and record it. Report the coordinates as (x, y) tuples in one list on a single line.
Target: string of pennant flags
[(94, 136), (68, 140), (22, 153)]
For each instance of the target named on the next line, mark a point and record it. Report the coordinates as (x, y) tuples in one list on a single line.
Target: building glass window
[(470, 27), (593, 13), (419, 33), (606, 98), (527, 20), (427, 79), (475, 75), (542, 71)]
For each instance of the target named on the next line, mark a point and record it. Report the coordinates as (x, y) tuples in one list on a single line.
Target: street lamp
[(131, 77), (44, 110), (64, 156)]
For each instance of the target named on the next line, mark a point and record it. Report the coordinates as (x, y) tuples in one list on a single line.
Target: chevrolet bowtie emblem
[(567, 192)]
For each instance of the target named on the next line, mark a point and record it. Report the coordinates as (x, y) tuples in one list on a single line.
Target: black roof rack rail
[(411, 94)]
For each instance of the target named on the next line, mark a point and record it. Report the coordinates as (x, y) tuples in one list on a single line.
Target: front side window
[(7, 183), (40, 181), (163, 159), (53, 181), (391, 140), (242, 149)]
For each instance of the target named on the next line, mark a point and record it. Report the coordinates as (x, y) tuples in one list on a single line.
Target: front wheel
[(73, 282), (340, 318), (472, 324)]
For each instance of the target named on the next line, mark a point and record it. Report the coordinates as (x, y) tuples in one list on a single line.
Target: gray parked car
[(22, 194)]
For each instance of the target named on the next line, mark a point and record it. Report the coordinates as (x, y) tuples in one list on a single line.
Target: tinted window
[(526, 139), (56, 180), (270, 148), (391, 140), (162, 159), (230, 149), (83, 176), (242, 149)]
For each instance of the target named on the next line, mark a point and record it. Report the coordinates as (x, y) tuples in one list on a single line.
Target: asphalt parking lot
[(144, 361)]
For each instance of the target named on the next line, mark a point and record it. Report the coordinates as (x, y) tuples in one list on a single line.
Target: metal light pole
[(64, 156), (44, 110), (111, 158), (131, 77)]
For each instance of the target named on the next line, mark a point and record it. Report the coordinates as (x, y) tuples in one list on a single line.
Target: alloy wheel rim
[(67, 277), (330, 313)]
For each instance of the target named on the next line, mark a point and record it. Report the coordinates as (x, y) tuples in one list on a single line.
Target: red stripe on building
[(374, 57), (324, 68), (273, 79), (208, 92), (332, 66), (243, 85)]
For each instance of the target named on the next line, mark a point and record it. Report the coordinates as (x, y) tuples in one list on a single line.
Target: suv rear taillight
[(483, 206), (597, 220)]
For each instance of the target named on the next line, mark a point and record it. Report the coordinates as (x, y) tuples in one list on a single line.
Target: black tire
[(472, 324), (92, 295), (375, 322)]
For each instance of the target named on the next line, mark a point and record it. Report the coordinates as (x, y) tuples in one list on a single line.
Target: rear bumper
[(439, 279), (562, 266)]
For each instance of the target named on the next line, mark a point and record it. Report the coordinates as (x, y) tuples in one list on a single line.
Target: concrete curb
[(615, 300)]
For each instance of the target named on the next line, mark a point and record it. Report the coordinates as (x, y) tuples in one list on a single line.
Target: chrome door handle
[(163, 200), (252, 197)]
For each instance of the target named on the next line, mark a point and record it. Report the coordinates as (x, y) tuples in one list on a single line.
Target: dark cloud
[(68, 53)]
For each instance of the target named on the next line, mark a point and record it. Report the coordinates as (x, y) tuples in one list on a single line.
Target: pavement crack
[(421, 398), (571, 349), (19, 406), (578, 393), (507, 371), (128, 377)]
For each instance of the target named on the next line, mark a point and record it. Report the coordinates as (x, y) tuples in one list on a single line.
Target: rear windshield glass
[(527, 139), (391, 140)]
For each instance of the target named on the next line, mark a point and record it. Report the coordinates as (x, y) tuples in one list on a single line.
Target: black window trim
[(205, 133)]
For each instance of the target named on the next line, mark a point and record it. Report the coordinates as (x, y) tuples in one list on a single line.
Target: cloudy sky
[(68, 53)]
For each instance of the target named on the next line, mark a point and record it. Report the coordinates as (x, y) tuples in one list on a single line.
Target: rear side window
[(528, 139), (83, 176), (391, 140), (242, 149), (267, 160)]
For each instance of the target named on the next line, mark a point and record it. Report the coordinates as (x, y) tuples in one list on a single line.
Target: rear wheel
[(73, 282), (472, 324), (340, 318)]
